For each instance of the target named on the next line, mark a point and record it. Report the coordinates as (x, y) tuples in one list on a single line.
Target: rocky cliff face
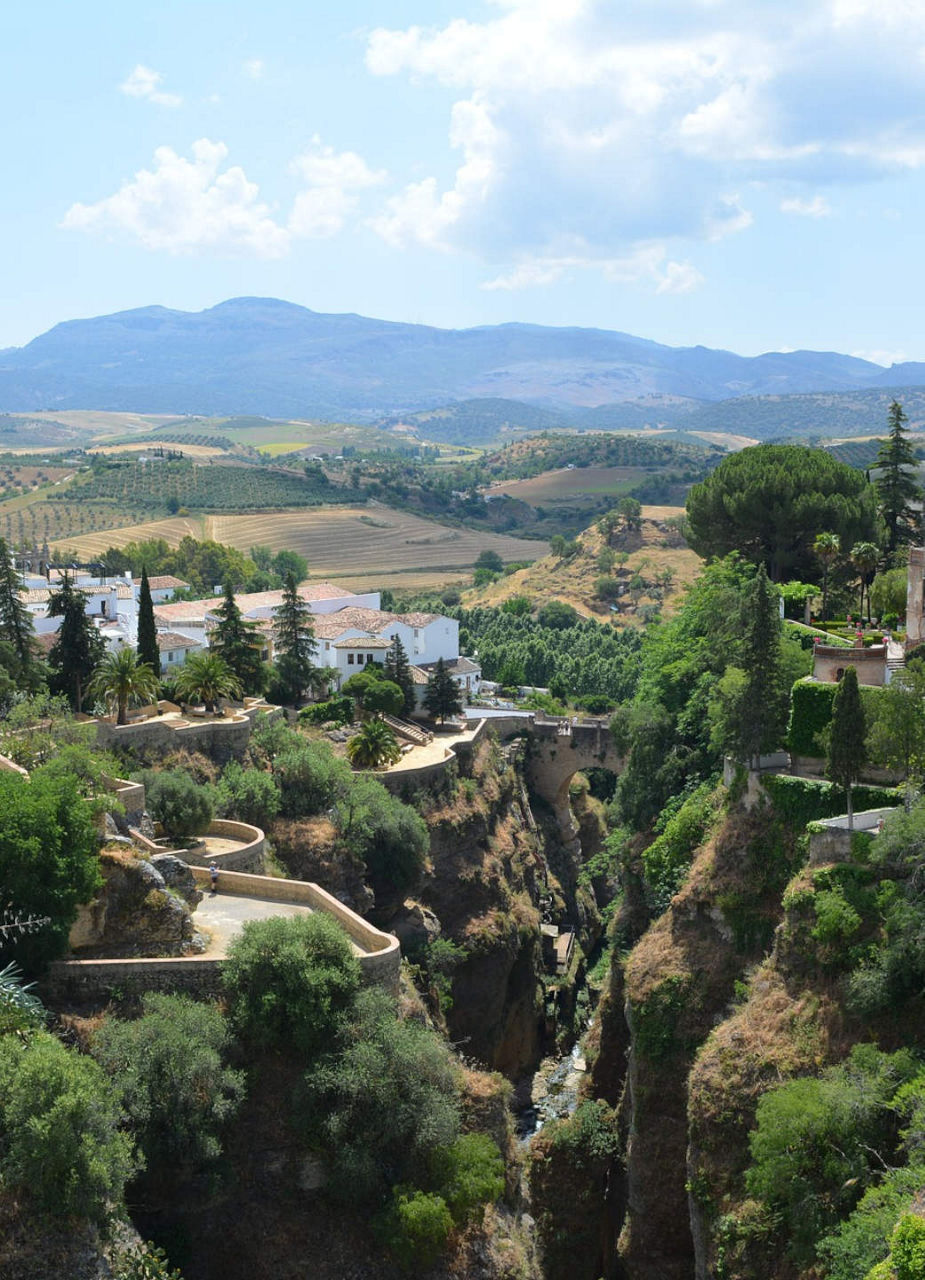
[(142, 909), (661, 1005)]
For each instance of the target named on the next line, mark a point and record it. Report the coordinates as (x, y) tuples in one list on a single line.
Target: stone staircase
[(895, 656), (410, 732)]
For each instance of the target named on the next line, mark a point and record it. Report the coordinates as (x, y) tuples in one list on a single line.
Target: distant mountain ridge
[(273, 358)]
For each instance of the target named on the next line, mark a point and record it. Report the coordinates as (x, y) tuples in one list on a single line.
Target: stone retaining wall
[(250, 856), (380, 961)]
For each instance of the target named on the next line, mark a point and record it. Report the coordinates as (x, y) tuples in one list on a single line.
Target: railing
[(410, 732)]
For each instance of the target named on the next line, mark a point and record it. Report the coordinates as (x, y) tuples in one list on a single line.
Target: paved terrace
[(223, 916)]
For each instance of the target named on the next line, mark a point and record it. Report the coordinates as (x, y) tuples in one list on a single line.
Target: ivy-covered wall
[(802, 800), (811, 712)]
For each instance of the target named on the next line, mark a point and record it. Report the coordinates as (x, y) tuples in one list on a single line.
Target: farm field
[(172, 530), (336, 541), (563, 485), (105, 423), (726, 439), (137, 446)]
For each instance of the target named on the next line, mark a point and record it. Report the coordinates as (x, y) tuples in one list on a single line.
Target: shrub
[(468, 1175), (290, 981), (798, 801), (380, 1100), (176, 802), (60, 1136), (668, 857), (416, 1227), (250, 795), (811, 713), (814, 1140), (336, 710), (144, 1262), (48, 861), (167, 1069), (310, 778)]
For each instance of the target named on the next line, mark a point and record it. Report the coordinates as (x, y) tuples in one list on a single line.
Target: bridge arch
[(560, 748)]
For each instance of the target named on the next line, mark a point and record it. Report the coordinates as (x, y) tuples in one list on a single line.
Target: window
[(170, 656), (349, 659), (369, 657)]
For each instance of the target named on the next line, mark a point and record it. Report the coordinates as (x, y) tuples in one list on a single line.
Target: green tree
[(249, 795), (827, 549), (381, 1099), (373, 746), (49, 860), (290, 982), (888, 593), (769, 502), (78, 646), (121, 680), (148, 650), (390, 837), (398, 669), (168, 1071), (765, 697), (846, 751), (295, 643), (896, 485), (236, 642), (896, 737), (442, 697), (865, 556), (489, 560), (15, 620), (206, 678), (61, 1139), (289, 564), (630, 512)]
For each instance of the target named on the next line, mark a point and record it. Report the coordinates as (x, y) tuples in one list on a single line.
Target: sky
[(739, 175)]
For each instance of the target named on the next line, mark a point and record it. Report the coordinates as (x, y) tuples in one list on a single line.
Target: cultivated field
[(148, 447), (336, 541), (107, 424), (88, 545), (564, 484)]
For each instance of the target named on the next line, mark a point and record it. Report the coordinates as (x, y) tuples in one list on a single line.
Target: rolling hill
[(268, 357)]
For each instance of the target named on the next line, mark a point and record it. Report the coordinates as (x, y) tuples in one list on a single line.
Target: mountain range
[(273, 358)]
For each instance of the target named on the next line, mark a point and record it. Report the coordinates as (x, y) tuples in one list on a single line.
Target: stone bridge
[(560, 747)]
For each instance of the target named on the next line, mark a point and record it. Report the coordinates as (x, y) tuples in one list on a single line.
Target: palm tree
[(374, 745), (865, 557), (121, 679), (827, 548), (205, 677)]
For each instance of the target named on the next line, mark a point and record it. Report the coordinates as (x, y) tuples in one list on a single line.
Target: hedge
[(802, 800), (811, 711)]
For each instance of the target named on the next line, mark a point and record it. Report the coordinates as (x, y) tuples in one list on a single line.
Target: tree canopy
[(897, 487), (770, 502)]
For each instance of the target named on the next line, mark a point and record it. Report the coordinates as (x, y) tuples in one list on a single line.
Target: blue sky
[(695, 171)]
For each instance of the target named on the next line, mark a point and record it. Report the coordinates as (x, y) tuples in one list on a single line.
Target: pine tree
[(147, 628), (442, 697), (78, 647), (897, 488), (15, 621), (398, 669), (236, 642), (846, 751), (295, 643)]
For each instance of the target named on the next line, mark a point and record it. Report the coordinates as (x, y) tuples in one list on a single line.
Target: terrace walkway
[(224, 916)]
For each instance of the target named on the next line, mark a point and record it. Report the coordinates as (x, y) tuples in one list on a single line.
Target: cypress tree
[(15, 621), (442, 697), (78, 647), (236, 642), (896, 485), (147, 629), (846, 751), (764, 698), (295, 643), (397, 668)]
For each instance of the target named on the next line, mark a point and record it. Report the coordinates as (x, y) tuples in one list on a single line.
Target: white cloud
[(647, 264), (886, 358), (181, 205), (616, 126), (254, 68), (142, 82), (817, 207), (333, 180)]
